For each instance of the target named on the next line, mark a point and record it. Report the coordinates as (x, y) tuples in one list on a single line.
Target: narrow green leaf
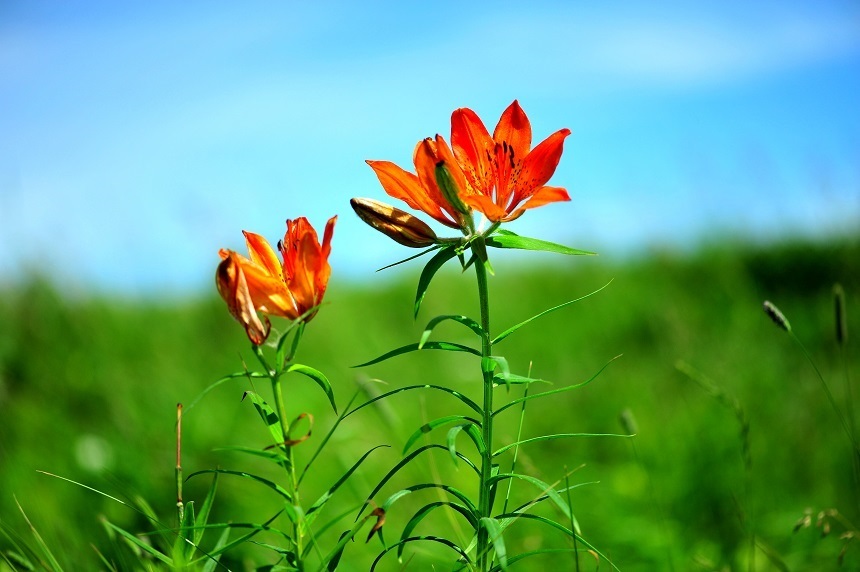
[(542, 551), (458, 494), (469, 403), (525, 243), (510, 517), (318, 377), (331, 560), (466, 321), (40, 542), (413, 257), (494, 531), (554, 437), (267, 414), (554, 391), (514, 379), (275, 455), (144, 546), (513, 329), (281, 349), (488, 365), (320, 502), (446, 346), (274, 486), (185, 538), (437, 539), (206, 508), (213, 561), (433, 266), (474, 433), (427, 509), (215, 384), (479, 249), (536, 501), (544, 487), (255, 530), (405, 461), (427, 427)]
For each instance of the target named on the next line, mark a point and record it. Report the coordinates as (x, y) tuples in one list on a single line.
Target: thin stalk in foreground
[(836, 409), (275, 378), (180, 506), (487, 422)]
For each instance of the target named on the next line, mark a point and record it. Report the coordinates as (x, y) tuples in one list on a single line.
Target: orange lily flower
[(421, 191), (504, 176), (262, 283)]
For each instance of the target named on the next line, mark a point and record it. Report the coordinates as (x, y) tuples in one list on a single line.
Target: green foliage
[(88, 388)]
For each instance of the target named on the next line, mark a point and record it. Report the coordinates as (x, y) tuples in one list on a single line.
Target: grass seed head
[(774, 314), (841, 322)]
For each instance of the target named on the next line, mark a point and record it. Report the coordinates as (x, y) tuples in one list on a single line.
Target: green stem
[(291, 465), (845, 427), (484, 505), (180, 506), (277, 391)]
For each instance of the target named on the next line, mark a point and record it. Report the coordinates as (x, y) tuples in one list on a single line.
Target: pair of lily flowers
[(499, 176)]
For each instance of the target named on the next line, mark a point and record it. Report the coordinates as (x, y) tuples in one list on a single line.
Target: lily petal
[(542, 196), (405, 186), (515, 130), (306, 264), (262, 254), (487, 206), (233, 288), (539, 165), (473, 147), (269, 293)]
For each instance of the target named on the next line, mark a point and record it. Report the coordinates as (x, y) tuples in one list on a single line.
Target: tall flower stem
[(280, 408), (484, 504)]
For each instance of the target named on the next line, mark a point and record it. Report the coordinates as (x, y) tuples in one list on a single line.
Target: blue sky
[(137, 139)]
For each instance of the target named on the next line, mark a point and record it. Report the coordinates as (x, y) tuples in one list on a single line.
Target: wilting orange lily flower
[(261, 283), (504, 176), (421, 191)]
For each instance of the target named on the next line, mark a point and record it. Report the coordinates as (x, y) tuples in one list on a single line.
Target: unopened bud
[(775, 315), (449, 189), (396, 224)]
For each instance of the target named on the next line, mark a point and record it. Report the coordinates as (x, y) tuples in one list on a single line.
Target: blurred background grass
[(88, 388)]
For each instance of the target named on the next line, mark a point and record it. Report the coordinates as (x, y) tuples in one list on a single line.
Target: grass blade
[(274, 486), (320, 502), (427, 509), (469, 403), (526, 243), (556, 436), (318, 377), (494, 531), (554, 391), (465, 320), (427, 427), (513, 329), (437, 539), (446, 346)]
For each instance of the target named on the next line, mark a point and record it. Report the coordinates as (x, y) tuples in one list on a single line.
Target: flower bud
[(449, 189), (396, 224)]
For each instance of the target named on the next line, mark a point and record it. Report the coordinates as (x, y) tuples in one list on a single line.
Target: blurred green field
[(88, 389)]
